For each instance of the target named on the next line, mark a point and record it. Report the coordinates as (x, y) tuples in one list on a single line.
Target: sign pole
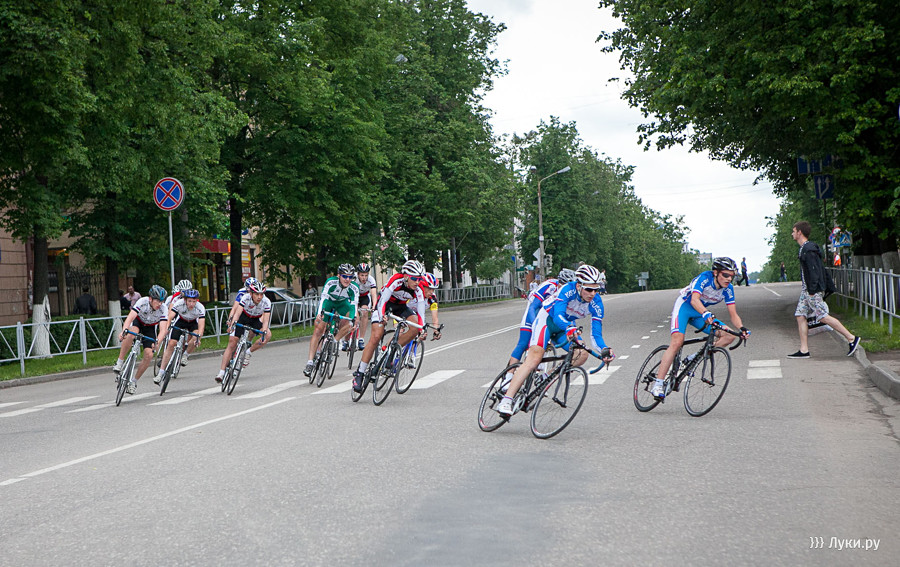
[(171, 252)]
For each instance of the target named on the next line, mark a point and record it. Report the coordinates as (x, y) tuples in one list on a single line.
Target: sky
[(556, 68)]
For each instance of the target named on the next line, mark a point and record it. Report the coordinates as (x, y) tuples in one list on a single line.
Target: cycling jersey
[(170, 301), (253, 310), (184, 314), (567, 306), (710, 293), (334, 294), (364, 287), (397, 293), (431, 303), (543, 291), (146, 314)]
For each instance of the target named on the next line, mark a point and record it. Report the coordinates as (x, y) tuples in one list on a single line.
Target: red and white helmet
[(429, 281)]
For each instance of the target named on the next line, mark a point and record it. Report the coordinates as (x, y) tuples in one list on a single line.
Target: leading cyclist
[(555, 321), (144, 318), (708, 288)]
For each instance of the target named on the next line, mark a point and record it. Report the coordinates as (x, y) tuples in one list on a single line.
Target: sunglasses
[(591, 289), (415, 278), (346, 277), (727, 276)]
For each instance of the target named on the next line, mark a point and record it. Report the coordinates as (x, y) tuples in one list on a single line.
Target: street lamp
[(541, 217)]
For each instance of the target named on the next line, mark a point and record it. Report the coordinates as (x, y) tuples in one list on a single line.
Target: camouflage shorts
[(811, 306)]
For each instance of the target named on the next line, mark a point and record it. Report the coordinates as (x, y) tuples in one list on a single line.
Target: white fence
[(875, 292), (83, 335)]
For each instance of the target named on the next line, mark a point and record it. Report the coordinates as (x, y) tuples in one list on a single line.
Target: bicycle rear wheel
[(488, 418), (385, 374), (414, 354), (559, 403), (643, 401), (124, 378), (705, 388), (325, 360), (237, 364)]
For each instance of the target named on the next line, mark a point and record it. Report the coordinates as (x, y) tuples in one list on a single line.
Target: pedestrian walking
[(783, 273), (744, 279), (85, 304)]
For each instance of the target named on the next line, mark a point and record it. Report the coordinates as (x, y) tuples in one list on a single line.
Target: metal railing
[(473, 293), (874, 291)]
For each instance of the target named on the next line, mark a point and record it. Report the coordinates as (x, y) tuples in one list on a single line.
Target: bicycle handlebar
[(338, 315), (252, 329), (130, 332), (718, 325)]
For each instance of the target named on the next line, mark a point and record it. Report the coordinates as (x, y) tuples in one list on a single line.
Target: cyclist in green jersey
[(339, 295)]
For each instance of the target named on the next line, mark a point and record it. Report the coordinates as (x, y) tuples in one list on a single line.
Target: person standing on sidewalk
[(814, 283)]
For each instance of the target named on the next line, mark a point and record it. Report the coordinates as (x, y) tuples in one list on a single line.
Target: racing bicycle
[(174, 366), (326, 357), (126, 376), (236, 364), (383, 372)]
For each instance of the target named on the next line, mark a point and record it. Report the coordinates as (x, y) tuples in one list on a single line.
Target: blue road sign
[(807, 166), (824, 185), (168, 193)]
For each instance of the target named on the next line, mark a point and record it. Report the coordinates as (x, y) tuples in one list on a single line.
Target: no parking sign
[(168, 193)]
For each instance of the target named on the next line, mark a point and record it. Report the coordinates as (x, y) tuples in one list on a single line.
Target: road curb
[(886, 380)]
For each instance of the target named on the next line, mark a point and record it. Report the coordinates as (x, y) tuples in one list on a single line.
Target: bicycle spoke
[(704, 390), (559, 403)]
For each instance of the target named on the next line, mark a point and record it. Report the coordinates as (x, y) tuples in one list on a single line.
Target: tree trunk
[(445, 266), (41, 267), (453, 273), (112, 294), (235, 219)]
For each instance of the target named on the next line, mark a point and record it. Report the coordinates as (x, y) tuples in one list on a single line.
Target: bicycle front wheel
[(124, 378), (412, 363), (705, 388), (174, 362), (488, 418), (352, 350), (559, 403), (324, 364), (643, 401), (385, 374), (237, 364)]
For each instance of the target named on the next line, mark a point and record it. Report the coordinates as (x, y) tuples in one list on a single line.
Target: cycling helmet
[(184, 285), (565, 276), (363, 267), (255, 285), (346, 269), (192, 293), (158, 292), (413, 268), (587, 275), (429, 281), (724, 263)]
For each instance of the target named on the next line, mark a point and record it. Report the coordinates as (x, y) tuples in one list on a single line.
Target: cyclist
[(555, 321), (708, 288), (394, 298), (339, 295), (144, 318), (428, 284), (186, 313), (179, 288), (255, 310), (367, 296)]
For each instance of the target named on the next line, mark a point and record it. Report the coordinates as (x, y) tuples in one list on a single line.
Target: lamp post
[(541, 218)]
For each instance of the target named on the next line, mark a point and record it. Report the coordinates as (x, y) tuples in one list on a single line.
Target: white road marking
[(173, 401), (46, 406), (601, 375), (773, 291), (130, 399), (635, 346), (764, 369), (7, 404), (469, 340), (271, 390), (337, 388), (434, 379), (645, 338), (11, 481), (143, 442), (623, 357), (654, 331)]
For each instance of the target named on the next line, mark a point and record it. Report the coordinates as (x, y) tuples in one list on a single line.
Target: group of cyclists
[(550, 317)]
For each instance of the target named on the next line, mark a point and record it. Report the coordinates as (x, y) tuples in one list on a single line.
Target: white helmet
[(413, 268), (587, 275), (184, 285)]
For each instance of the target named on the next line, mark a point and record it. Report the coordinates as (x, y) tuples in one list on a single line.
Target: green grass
[(875, 337), (100, 358)]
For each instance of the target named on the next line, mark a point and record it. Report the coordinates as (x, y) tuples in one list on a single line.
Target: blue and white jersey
[(145, 312), (181, 309), (710, 294), (253, 310), (566, 307), (544, 291)]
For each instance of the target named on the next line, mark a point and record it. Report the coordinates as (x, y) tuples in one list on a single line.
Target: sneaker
[(853, 344), (219, 378), (658, 389), (360, 344), (799, 354), (184, 360), (131, 388), (117, 367), (309, 368), (358, 381), (247, 360), (506, 406), (345, 346), (158, 378)]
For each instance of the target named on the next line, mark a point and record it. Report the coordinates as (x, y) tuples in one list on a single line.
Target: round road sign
[(168, 193)]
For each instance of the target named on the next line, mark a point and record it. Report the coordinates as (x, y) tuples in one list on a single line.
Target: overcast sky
[(555, 67)]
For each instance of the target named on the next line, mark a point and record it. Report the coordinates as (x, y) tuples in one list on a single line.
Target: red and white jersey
[(253, 310), (146, 314), (181, 309), (395, 291)]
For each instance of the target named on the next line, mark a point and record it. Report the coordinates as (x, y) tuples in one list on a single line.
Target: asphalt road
[(796, 466)]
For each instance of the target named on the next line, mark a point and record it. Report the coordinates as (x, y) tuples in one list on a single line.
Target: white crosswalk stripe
[(764, 369), (126, 399), (272, 390), (41, 407), (434, 379)]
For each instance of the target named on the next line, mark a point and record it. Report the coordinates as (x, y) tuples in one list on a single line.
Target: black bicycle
[(382, 372), (704, 374), (553, 399), (174, 365), (236, 364), (326, 357)]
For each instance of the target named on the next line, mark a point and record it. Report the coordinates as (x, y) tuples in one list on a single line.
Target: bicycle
[(326, 357), (382, 373), (354, 339), (553, 398), (126, 376), (236, 364), (701, 393), (413, 354), (174, 366)]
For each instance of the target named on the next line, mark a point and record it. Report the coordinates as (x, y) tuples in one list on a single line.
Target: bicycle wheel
[(325, 360), (559, 403), (356, 396), (705, 388), (237, 364), (317, 359), (352, 350), (174, 362), (550, 352), (415, 353), (124, 378), (385, 374), (179, 350), (643, 401), (488, 418)]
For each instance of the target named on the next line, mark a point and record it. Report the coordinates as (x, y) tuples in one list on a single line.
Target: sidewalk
[(883, 369)]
